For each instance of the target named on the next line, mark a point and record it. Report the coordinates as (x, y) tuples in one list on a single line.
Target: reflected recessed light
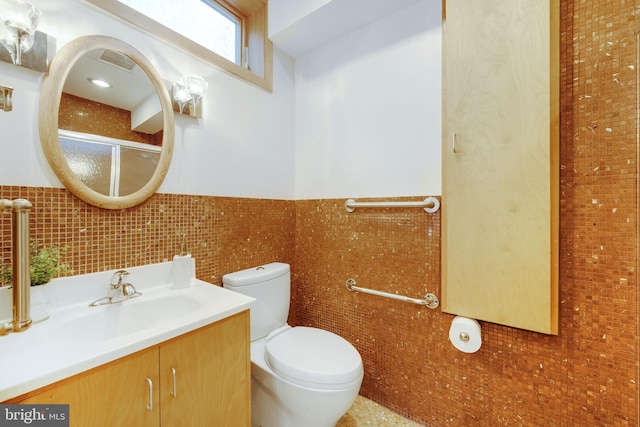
[(98, 82)]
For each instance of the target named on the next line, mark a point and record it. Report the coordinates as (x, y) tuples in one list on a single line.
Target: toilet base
[(276, 402)]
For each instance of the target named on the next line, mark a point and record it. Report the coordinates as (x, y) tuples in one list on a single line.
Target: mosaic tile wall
[(222, 234), (588, 374)]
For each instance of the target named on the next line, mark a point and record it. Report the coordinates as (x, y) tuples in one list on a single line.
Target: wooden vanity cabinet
[(205, 377), (212, 383), (115, 394), (500, 151)]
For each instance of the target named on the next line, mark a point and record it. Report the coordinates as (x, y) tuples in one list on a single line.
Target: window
[(230, 34), (204, 22)]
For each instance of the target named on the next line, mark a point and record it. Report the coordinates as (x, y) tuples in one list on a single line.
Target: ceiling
[(302, 31)]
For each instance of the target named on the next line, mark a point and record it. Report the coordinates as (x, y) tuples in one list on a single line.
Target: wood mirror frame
[(48, 110)]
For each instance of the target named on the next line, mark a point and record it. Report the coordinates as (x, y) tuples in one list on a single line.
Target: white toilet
[(300, 376)]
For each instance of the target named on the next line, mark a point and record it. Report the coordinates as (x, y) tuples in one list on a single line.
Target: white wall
[(368, 110), (363, 120), (242, 147)]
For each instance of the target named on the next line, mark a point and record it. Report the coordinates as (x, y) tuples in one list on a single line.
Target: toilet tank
[(270, 285)]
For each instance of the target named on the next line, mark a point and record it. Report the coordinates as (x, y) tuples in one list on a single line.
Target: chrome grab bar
[(430, 204), (429, 300)]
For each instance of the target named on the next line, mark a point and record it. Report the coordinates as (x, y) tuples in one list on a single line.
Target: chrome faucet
[(21, 290), (118, 290)]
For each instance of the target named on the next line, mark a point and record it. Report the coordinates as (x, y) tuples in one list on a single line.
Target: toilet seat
[(313, 358)]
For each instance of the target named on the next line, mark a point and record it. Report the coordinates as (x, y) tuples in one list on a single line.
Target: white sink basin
[(114, 321), (78, 337)]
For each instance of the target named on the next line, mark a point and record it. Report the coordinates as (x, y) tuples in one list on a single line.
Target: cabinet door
[(211, 371), (116, 394), (500, 162)]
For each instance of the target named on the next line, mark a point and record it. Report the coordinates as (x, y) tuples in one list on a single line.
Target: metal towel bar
[(430, 204), (429, 300)]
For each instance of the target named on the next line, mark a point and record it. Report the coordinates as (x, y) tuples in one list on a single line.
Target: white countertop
[(77, 337)]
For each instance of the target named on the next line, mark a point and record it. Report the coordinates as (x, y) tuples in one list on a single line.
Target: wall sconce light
[(18, 23), (188, 93), (6, 96)]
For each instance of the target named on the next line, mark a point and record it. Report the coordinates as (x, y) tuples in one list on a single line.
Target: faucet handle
[(128, 290), (119, 275)]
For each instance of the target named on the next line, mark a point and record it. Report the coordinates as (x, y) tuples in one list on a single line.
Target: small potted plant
[(44, 265)]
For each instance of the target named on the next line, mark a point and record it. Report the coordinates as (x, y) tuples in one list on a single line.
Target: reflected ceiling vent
[(117, 59)]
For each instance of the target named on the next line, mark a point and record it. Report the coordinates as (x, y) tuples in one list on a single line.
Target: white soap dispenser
[(183, 269)]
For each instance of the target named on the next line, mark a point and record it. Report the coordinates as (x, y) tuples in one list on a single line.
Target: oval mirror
[(106, 122)]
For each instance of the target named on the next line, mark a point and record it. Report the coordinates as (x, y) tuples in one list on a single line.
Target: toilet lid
[(314, 358)]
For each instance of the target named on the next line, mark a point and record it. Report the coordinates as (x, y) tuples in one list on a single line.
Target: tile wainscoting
[(586, 375), (223, 234)]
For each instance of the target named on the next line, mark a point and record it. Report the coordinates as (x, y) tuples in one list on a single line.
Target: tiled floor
[(365, 412)]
